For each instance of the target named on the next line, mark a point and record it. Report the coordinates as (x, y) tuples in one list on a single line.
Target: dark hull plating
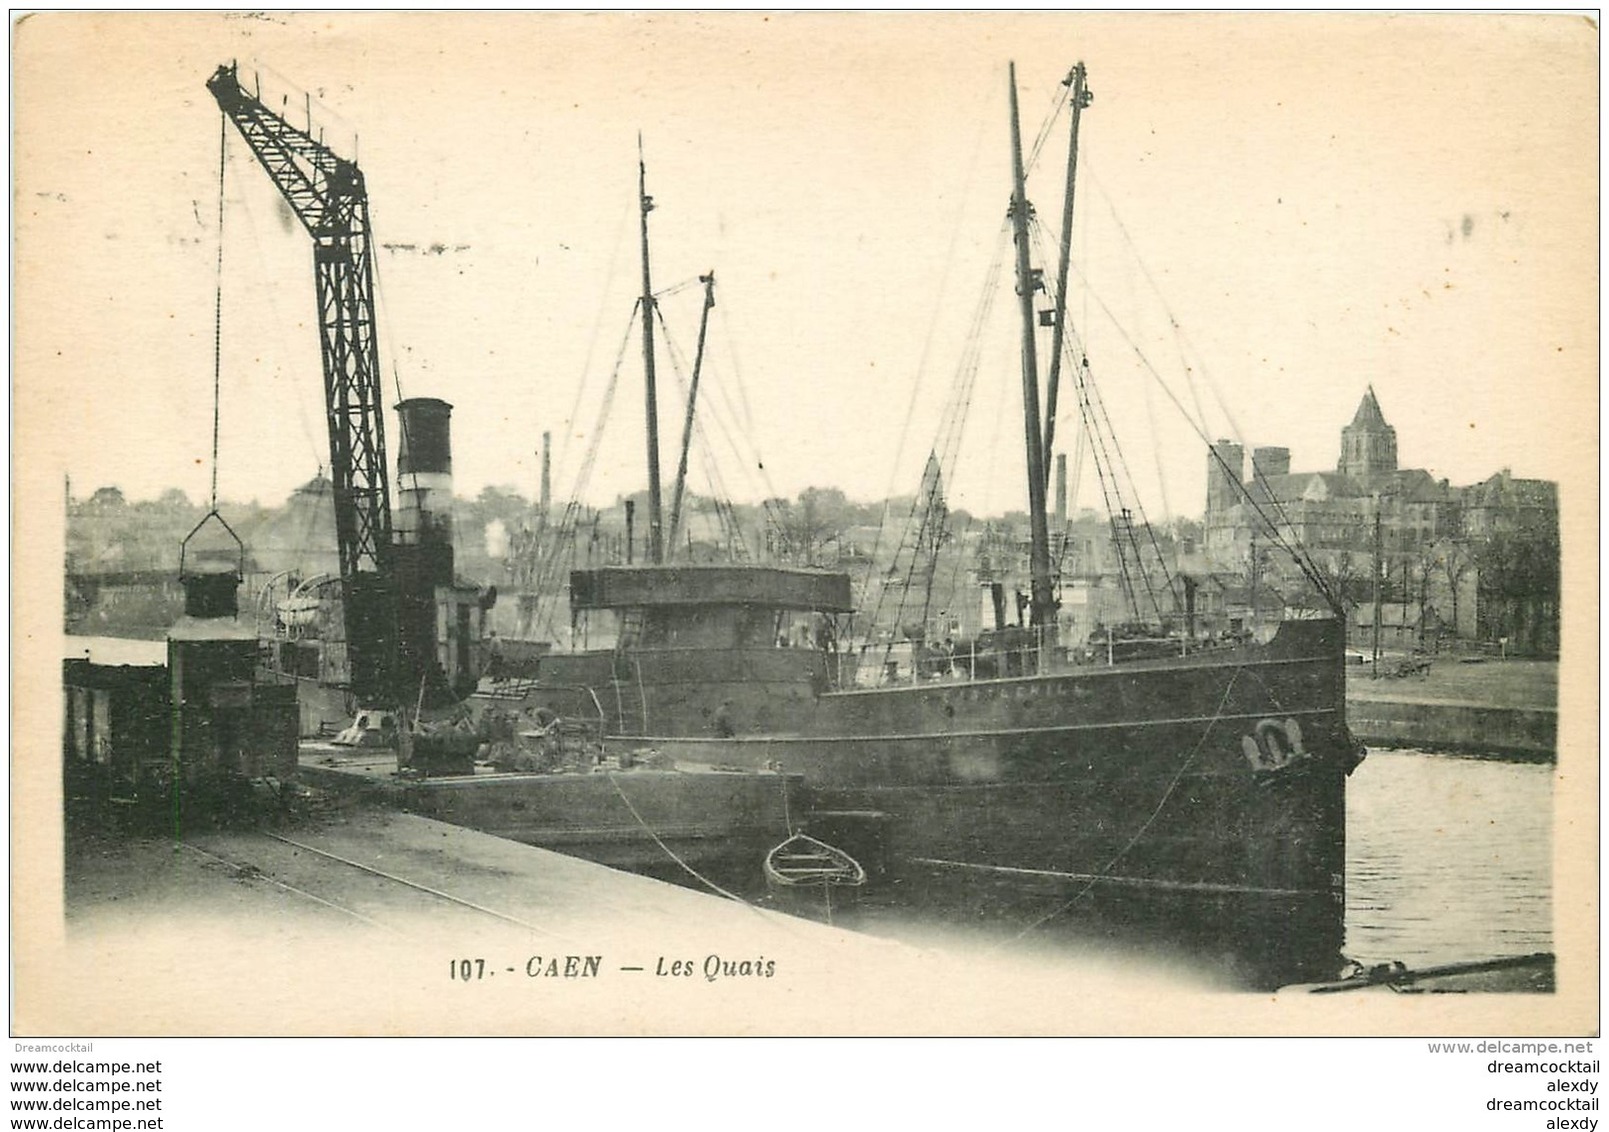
[(1144, 793)]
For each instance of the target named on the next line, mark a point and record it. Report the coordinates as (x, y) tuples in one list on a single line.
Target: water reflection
[(1448, 858)]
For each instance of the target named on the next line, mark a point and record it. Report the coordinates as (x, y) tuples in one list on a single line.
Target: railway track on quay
[(382, 899)]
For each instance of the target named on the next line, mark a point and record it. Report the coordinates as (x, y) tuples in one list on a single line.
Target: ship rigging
[(1202, 789)]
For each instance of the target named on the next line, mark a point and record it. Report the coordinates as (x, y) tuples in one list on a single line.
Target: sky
[(1295, 207)]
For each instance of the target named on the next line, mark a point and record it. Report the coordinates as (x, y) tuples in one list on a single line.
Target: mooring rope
[(1145, 825), (692, 872), (671, 853)]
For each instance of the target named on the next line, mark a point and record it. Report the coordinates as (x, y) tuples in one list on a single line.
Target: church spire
[(1369, 413), (1368, 444)]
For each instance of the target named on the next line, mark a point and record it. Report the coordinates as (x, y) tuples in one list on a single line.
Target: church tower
[(1368, 444), (1225, 464)]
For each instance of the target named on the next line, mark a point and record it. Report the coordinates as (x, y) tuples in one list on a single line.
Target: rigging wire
[(725, 413), (1081, 364), (1294, 551), (1297, 552), (621, 227), (963, 199), (318, 448), (383, 318), (1120, 468), (1172, 787), (1074, 484), (563, 539), (951, 429), (958, 562), (1107, 467), (560, 537), (716, 417), (713, 478), (730, 340), (963, 383), (1058, 103), (1179, 336), (1111, 496), (719, 410), (1304, 561)]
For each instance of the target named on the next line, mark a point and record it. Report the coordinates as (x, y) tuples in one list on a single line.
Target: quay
[(376, 923), (1498, 708), (373, 923), (369, 922), (639, 817)]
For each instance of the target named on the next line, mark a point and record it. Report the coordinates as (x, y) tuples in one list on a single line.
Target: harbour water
[(1449, 859)]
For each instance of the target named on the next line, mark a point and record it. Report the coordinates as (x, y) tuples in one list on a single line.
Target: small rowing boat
[(802, 861)]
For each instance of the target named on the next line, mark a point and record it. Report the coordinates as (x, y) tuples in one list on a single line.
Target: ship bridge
[(702, 650), (713, 607), (768, 587)]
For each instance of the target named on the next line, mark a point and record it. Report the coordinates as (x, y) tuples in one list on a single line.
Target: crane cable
[(217, 310)]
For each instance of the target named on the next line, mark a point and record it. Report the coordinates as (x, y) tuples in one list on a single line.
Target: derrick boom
[(327, 195)]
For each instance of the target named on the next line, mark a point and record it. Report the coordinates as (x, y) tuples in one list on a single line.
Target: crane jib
[(327, 194)]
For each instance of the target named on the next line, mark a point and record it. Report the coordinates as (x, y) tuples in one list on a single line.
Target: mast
[(656, 546), (692, 401), (1081, 98), (1042, 605)]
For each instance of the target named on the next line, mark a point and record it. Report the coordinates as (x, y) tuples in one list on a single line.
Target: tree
[(1452, 564), (805, 528), (1518, 586), (174, 499), (1346, 568)]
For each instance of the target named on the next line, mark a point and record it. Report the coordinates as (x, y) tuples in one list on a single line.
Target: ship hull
[(1206, 796)]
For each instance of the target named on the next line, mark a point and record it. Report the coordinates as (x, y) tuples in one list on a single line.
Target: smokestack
[(425, 488), (1061, 490), (425, 471), (547, 471)]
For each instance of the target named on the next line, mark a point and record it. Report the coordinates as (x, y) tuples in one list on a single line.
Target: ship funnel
[(425, 472)]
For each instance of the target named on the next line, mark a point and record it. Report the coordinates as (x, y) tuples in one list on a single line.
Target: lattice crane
[(327, 194)]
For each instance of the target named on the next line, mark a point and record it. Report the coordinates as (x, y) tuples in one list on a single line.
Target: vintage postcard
[(795, 524)]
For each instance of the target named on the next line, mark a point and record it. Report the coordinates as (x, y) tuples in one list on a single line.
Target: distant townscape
[(1455, 564), (1447, 567)]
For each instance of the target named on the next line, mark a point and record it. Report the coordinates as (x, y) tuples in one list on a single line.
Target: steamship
[(1203, 791)]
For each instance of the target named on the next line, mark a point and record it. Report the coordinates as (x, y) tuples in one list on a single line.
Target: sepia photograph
[(804, 524)]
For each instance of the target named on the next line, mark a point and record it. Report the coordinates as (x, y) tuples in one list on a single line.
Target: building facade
[(1474, 563)]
